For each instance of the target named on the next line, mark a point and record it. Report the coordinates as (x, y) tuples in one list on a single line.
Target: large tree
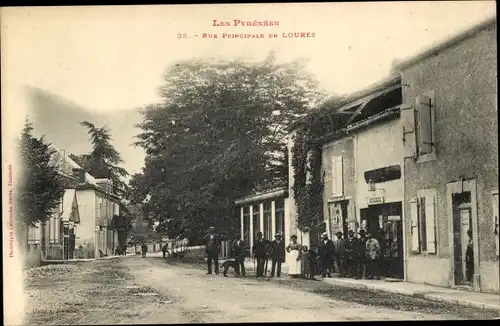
[(218, 134), (104, 160), (42, 187)]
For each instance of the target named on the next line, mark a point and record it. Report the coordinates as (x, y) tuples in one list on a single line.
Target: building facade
[(450, 132), (79, 226), (362, 164)]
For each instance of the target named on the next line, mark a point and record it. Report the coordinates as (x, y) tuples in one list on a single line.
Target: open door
[(462, 242)]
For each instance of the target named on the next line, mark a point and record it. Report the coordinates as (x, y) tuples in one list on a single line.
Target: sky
[(113, 58)]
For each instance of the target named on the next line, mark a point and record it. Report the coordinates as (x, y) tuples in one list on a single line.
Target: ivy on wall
[(306, 161)]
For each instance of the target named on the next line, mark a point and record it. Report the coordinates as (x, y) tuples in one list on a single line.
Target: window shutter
[(425, 141), (430, 213), (414, 225), (339, 177), (408, 124), (496, 230), (334, 176)]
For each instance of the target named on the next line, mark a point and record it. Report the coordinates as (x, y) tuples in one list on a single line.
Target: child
[(313, 254), (306, 263)]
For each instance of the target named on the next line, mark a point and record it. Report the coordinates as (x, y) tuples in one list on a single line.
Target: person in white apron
[(294, 249)]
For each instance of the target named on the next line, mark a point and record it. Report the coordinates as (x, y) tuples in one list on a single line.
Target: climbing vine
[(306, 161)]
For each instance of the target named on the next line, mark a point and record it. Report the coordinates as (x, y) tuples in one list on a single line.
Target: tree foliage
[(218, 135), (104, 160), (41, 188)]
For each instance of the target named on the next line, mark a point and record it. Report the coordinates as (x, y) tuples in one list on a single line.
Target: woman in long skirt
[(294, 249)]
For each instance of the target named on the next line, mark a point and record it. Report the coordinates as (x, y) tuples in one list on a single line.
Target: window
[(418, 124), (423, 226), (426, 124), (337, 176)]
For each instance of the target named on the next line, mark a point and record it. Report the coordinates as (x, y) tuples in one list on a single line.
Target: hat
[(338, 232), (259, 233), (212, 228), (277, 235), (361, 231), (294, 236), (324, 235)]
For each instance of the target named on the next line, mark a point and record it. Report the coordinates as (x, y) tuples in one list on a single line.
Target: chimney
[(80, 174)]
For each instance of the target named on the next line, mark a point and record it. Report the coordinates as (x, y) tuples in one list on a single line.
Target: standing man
[(350, 258), (277, 254), (212, 248), (361, 253), (372, 256), (260, 250), (326, 250), (339, 253), (239, 256)]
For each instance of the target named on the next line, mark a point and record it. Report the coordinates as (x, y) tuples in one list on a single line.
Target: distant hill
[(58, 120)]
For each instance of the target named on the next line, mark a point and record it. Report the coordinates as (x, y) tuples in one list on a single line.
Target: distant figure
[(164, 249), (372, 256), (314, 261), (326, 249), (295, 251), (239, 247), (350, 257), (277, 255), (260, 251), (361, 253), (144, 249), (339, 254), (212, 249), (306, 263), (469, 258)]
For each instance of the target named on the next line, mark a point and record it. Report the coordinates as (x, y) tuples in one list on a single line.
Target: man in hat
[(277, 254), (361, 253), (326, 250), (339, 254), (212, 248), (350, 246), (260, 252)]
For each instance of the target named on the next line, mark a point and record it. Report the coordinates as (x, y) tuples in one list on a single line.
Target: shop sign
[(375, 200)]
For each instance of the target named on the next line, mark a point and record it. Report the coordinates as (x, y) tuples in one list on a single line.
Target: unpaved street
[(152, 290)]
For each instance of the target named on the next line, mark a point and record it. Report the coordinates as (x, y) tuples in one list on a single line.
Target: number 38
[(183, 35)]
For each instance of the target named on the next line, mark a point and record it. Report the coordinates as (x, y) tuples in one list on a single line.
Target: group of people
[(354, 256), (351, 257)]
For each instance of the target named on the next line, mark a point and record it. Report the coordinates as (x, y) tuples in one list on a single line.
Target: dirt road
[(152, 290)]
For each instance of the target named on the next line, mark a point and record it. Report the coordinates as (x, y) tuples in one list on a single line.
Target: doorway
[(462, 239), (384, 222), (462, 221)]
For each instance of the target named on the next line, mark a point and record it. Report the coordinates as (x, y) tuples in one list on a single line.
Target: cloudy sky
[(112, 58)]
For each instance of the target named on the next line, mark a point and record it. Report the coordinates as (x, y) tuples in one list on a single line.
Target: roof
[(66, 164), (69, 199), (438, 47), (357, 98), (262, 195)]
